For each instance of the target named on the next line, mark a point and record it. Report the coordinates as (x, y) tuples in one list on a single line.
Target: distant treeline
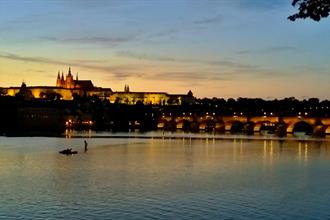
[(19, 116), (257, 106)]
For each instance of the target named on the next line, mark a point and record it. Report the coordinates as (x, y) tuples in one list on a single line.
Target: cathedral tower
[(69, 83), (58, 81), (126, 88)]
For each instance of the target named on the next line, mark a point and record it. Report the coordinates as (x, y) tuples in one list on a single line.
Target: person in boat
[(86, 144), (68, 151)]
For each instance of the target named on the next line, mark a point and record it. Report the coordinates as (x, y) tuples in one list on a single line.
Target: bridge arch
[(236, 127), (242, 124), (303, 127)]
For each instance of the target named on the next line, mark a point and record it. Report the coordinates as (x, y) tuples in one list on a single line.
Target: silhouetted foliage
[(21, 116), (313, 9), (51, 96)]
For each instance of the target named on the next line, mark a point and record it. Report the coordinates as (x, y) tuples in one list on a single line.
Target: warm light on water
[(164, 179)]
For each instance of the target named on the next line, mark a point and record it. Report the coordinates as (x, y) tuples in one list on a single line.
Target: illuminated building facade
[(68, 87)]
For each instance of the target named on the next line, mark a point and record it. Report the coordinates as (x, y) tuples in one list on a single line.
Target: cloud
[(132, 71), (115, 71), (277, 49), (192, 76), (124, 75), (196, 25), (91, 61), (223, 63), (175, 76), (210, 20), (129, 54), (11, 56), (165, 33), (91, 40), (190, 79)]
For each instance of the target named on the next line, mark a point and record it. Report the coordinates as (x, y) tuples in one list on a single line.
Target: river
[(162, 178)]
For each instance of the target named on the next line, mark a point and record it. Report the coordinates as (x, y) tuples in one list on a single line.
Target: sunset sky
[(216, 48)]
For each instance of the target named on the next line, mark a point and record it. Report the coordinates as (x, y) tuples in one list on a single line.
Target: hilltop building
[(67, 88), (70, 83)]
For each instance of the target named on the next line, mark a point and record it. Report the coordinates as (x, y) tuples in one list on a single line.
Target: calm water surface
[(164, 179)]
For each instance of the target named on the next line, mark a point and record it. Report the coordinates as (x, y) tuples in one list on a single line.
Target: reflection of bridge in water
[(247, 125)]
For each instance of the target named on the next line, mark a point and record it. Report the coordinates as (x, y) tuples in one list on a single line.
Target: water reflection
[(70, 133), (306, 152), (164, 178)]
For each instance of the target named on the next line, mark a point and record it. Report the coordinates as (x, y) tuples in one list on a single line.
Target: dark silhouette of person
[(86, 144)]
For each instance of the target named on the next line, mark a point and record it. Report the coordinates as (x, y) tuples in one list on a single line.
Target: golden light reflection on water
[(116, 170), (299, 151), (306, 153), (69, 133), (158, 155), (303, 151)]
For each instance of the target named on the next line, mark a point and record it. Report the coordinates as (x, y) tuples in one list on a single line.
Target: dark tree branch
[(313, 9)]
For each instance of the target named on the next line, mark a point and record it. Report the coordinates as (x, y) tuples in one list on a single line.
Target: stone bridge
[(248, 125)]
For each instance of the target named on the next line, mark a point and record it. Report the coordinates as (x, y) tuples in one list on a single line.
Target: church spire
[(69, 74), (58, 81), (126, 88), (77, 76)]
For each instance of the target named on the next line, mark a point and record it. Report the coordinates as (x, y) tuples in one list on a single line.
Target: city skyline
[(225, 49)]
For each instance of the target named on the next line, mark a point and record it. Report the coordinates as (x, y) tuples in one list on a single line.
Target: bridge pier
[(247, 125)]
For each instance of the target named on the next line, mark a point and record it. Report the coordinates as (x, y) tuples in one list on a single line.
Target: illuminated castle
[(69, 87), (70, 83)]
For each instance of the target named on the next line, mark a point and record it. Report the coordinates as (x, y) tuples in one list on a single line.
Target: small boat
[(68, 151)]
